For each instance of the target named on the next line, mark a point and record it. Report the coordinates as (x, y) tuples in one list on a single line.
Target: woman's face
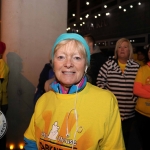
[(123, 51), (69, 64)]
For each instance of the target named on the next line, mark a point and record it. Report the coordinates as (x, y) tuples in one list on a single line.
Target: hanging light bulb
[(87, 3), (105, 6), (131, 6)]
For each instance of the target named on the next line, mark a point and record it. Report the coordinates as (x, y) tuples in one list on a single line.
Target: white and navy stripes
[(111, 78)]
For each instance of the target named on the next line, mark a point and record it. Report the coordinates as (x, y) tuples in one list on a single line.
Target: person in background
[(142, 90), (4, 75), (134, 56), (74, 114), (141, 56), (46, 73), (97, 58), (117, 75)]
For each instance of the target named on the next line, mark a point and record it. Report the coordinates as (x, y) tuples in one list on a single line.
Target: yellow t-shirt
[(143, 104), (4, 72), (122, 66), (93, 122)]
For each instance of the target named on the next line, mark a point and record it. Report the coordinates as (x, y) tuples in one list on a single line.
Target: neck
[(123, 61)]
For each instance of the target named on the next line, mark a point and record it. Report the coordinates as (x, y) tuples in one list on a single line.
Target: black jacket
[(97, 60)]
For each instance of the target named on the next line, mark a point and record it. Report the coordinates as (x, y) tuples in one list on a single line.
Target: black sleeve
[(44, 76)]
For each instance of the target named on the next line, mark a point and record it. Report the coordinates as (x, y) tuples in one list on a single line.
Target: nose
[(68, 63)]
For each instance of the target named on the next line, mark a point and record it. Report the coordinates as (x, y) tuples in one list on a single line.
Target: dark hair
[(147, 48), (90, 38)]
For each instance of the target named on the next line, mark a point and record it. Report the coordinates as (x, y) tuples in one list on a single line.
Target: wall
[(29, 29)]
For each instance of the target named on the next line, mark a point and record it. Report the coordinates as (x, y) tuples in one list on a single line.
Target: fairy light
[(87, 3), (131, 6), (21, 146), (120, 7), (105, 6), (11, 146)]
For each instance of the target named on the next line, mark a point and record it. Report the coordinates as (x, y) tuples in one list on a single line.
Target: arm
[(113, 138), (141, 90), (47, 84), (29, 136), (30, 145), (102, 76)]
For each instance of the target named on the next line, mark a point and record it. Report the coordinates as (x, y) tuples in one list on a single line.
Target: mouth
[(68, 72)]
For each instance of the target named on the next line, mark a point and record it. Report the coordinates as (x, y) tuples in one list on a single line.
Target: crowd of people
[(86, 100)]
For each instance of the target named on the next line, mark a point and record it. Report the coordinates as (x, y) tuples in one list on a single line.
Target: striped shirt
[(121, 84)]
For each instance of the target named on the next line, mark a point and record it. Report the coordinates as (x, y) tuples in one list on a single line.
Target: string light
[(120, 7), (107, 14), (131, 6), (87, 3), (21, 146), (11, 146), (96, 16), (87, 15), (105, 6)]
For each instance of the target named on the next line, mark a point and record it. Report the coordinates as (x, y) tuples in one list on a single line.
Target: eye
[(77, 58), (60, 57)]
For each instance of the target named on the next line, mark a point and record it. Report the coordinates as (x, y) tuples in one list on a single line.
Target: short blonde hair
[(119, 42), (78, 46)]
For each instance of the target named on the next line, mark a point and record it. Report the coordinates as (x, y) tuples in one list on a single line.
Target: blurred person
[(74, 114), (134, 56), (117, 75), (97, 58), (46, 74), (141, 56), (142, 90), (4, 74)]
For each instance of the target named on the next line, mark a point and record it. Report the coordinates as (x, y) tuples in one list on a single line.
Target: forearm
[(140, 90)]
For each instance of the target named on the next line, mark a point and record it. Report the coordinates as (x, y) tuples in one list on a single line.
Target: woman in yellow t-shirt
[(142, 90)]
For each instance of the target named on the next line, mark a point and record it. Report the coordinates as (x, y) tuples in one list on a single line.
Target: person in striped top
[(118, 75)]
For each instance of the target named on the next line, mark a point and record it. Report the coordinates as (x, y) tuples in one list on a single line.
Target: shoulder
[(133, 63), (99, 93)]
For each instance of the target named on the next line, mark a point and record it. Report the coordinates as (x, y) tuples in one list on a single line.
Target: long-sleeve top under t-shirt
[(142, 90), (120, 83)]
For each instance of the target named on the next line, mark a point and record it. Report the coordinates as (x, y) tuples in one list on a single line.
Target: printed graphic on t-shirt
[(55, 137)]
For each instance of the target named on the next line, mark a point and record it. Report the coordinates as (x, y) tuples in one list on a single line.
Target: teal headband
[(75, 36)]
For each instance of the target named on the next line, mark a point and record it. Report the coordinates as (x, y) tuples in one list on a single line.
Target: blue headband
[(75, 36)]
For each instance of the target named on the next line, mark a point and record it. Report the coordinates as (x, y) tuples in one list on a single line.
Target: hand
[(47, 84)]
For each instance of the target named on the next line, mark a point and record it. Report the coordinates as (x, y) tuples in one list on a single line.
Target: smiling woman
[(74, 114)]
